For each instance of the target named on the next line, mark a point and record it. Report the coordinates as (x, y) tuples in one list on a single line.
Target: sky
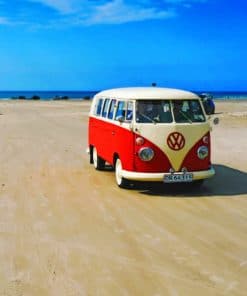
[(99, 44)]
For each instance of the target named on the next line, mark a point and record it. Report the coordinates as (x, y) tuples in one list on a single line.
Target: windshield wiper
[(185, 116), (148, 118)]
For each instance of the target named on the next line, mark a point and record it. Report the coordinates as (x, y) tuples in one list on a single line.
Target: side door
[(123, 144), (110, 131), (104, 132)]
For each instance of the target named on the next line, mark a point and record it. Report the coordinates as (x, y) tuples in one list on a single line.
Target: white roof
[(147, 93)]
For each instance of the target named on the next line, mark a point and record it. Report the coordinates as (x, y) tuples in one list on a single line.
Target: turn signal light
[(139, 141), (205, 140)]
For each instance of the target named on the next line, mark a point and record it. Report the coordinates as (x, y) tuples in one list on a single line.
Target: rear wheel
[(121, 181), (98, 162), (91, 155)]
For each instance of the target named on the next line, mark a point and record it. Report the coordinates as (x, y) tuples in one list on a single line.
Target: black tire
[(98, 162), (91, 155), (197, 183)]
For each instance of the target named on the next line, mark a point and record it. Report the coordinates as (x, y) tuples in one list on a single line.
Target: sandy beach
[(66, 229)]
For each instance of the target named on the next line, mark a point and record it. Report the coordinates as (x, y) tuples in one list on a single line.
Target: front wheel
[(121, 181), (98, 162), (197, 183)]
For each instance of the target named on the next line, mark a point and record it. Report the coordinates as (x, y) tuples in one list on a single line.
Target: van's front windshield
[(167, 111)]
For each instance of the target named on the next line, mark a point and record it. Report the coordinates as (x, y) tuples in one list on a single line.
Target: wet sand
[(66, 229)]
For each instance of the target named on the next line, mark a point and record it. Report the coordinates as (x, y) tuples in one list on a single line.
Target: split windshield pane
[(156, 111), (187, 111)]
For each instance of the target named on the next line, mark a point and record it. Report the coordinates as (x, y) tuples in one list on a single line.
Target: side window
[(121, 107), (105, 108), (98, 107), (129, 115), (112, 108)]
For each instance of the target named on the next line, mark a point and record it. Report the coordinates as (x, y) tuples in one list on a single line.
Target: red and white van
[(150, 134)]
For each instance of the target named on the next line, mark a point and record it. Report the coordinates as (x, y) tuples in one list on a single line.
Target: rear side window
[(105, 108), (112, 108), (98, 107)]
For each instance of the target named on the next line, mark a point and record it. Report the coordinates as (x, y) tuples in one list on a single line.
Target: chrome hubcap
[(118, 172), (95, 157)]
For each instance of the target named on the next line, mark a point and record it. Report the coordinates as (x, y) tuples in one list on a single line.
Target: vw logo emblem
[(176, 141)]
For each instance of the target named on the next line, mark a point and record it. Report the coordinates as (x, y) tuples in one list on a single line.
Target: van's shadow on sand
[(226, 182)]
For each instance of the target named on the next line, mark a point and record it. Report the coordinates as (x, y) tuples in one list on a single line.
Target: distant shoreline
[(234, 99), (88, 95), (44, 99)]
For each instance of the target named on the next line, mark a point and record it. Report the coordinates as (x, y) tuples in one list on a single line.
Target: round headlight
[(146, 154), (202, 152)]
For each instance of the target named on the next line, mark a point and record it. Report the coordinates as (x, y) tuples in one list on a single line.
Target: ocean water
[(227, 95), (80, 95)]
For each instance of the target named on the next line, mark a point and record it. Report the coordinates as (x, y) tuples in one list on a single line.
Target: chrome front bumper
[(136, 176)]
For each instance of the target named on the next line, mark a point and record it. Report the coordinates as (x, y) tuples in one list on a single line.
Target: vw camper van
[(150, 134)]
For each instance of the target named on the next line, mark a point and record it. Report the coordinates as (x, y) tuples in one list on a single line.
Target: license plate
[(173, 178)]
